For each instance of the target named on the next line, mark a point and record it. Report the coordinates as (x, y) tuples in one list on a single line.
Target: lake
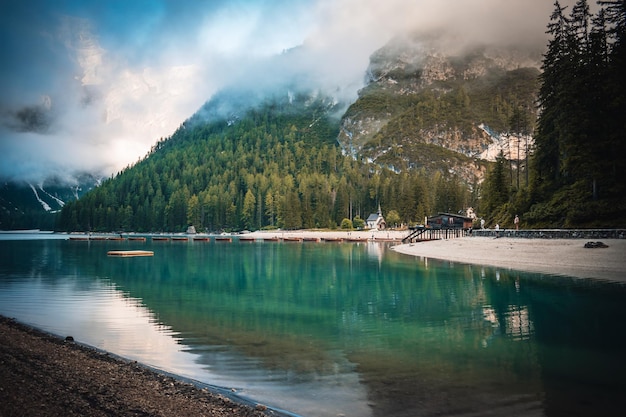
[(328, 329)]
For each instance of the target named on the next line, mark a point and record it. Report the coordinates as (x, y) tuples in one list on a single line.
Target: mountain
[(25, 205), (425, 108), (293, 156)]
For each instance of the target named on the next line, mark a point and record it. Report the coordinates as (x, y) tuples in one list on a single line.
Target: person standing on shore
[(497, 230), (516, 222), (482, 224)]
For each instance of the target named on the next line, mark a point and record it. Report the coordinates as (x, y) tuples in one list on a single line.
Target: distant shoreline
[(552, 256)]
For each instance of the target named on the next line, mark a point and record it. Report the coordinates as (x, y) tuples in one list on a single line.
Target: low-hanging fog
[(92, 85)]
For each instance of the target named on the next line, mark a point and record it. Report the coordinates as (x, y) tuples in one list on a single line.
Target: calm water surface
[(328, 329)]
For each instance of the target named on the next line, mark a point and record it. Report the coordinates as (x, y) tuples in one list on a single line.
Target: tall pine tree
[(579, 158)]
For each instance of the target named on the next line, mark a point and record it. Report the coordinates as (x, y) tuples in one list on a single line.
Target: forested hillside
[(410, 143), (578, 164), (277, 164)]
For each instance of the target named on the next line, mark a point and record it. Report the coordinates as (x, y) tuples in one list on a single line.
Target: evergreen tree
[(547, 155), (580, 141), (496, 188)]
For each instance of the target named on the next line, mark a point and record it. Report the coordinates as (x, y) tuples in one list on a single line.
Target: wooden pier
[(426, 233)]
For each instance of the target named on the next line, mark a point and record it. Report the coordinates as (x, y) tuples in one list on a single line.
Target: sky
[(92, 85)]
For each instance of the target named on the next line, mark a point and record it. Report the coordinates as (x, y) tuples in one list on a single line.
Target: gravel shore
[(43, 375)]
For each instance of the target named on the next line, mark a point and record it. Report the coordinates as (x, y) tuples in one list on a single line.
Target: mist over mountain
[(292, 152), (104, 83), (433, 102), (377, 122), (25, 205)]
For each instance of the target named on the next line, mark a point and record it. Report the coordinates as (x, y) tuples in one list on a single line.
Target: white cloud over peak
[(121, 75)]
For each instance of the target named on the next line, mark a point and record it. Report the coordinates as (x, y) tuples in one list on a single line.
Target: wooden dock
[(427, 233), (356, 239)]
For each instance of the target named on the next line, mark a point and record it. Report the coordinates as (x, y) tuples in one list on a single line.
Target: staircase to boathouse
[(421, 233)]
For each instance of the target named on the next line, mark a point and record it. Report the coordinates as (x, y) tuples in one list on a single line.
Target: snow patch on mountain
[(60, 202), (513, 147), (45, 205)]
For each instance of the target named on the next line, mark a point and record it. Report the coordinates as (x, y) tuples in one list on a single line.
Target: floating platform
[(138, 238), (180, 239), (96, 238), (201, 239), (160, 238), (223, 239), (126, 253)]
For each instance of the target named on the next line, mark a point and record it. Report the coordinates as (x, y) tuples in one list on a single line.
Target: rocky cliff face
[(418, 94)]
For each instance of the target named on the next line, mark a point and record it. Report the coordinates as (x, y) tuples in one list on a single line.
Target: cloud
[(93, 85)]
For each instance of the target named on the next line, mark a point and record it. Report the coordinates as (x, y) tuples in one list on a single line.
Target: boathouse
[(449, 221)]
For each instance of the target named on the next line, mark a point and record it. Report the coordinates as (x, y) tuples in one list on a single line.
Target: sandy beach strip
[(567, 257), (371, 235)]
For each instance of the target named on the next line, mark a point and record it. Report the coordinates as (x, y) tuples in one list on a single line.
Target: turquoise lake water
[(328, 329)]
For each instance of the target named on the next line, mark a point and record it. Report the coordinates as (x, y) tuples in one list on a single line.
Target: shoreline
[(566, 257), (544, 252), (43, 374), (356, 235), (551, 256)]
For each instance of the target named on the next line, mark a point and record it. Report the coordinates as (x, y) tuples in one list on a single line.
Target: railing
[(425, 233), (422, 233)]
